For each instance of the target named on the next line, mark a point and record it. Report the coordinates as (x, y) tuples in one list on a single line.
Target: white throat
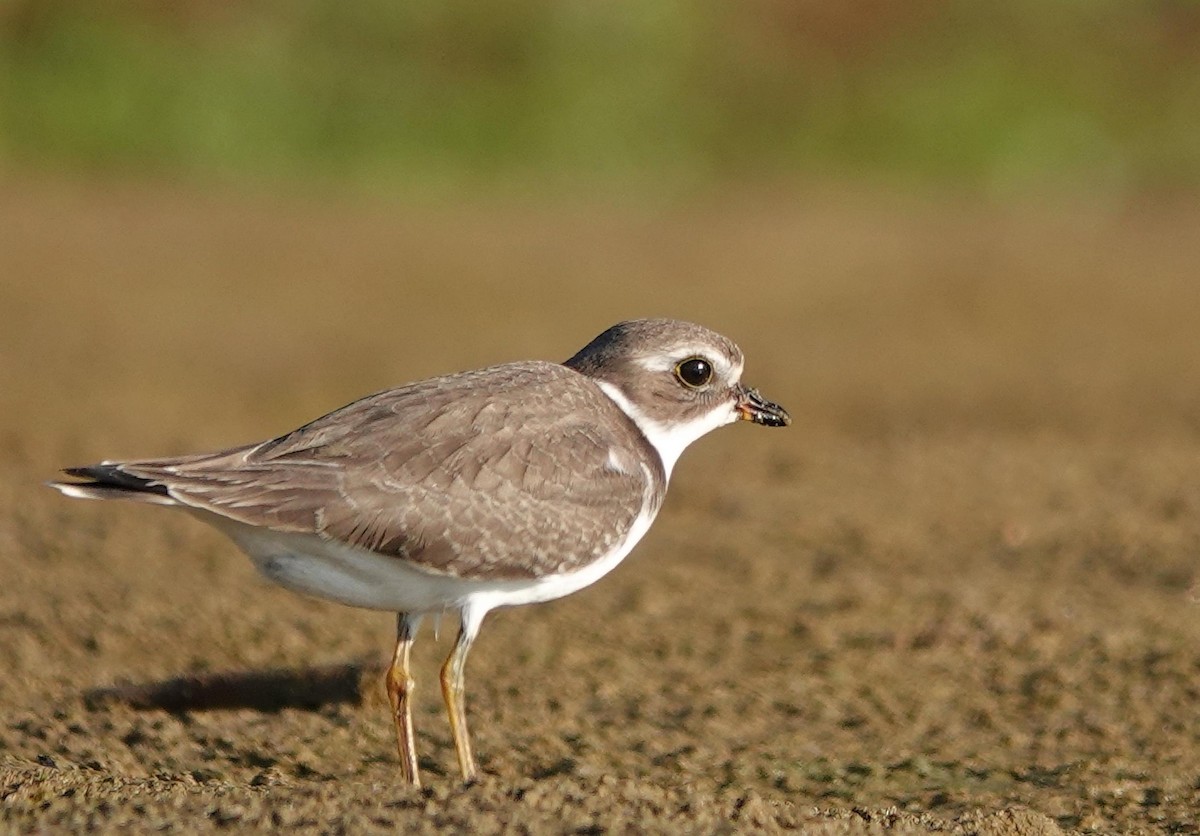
[(670, 440)]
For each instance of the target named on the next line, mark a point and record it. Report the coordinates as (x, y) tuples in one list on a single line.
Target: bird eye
[(694, 372)]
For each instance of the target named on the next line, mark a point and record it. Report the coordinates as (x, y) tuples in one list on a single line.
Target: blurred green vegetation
[(1094, 94)]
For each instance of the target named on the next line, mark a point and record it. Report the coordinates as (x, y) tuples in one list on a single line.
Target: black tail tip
[(113, 476)]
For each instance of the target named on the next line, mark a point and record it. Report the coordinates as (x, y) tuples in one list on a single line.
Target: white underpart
[(333, 570), (670, 440)]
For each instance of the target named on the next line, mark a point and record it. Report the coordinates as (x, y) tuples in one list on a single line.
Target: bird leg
[(453, 690), (399, 688)]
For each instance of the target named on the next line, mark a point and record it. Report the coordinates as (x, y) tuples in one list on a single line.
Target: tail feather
[(108, 481)]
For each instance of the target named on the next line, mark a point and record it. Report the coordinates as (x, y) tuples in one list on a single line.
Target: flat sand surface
[(959, 594)]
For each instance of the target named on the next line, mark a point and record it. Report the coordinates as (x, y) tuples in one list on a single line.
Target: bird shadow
[(270, 690)]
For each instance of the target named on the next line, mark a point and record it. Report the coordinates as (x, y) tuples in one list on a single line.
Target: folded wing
[(460, 475)]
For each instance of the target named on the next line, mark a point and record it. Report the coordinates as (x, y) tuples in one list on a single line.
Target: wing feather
[(499, 473)]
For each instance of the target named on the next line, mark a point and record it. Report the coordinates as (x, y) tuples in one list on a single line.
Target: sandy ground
[(959, 594)]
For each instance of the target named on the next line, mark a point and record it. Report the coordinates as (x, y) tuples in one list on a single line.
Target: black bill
[(752, 406)]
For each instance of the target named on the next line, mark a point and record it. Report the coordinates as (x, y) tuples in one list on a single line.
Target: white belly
[(328, 569)]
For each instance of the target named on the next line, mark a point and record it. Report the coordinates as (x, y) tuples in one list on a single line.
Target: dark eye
[(694, 372)]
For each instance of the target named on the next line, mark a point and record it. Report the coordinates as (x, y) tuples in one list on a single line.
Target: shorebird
[(514, 484)]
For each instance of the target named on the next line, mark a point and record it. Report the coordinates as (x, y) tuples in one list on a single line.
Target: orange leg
[(454, 692), (399, 689)]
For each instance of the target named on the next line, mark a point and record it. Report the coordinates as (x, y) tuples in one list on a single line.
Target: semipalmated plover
[(509, 485)]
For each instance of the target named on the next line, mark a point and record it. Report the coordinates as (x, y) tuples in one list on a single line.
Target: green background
[(567, 94)]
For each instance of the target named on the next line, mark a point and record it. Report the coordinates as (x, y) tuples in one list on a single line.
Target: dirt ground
[(960, 594)]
